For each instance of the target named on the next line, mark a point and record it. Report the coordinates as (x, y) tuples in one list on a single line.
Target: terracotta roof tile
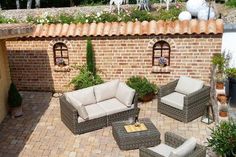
[(100, 28), (122, 28), (114, 29), (51, 30), (78, 30), (152, 27), (219, 26), (211, 26), (64, 30), (92, 29), (160, 27), (44, 31), (177, 28), (145, 25), (71, 30), (130, 28), (194, 26), (107, 28), (202, 25), (15, 30), (85, 29), (58, 30)]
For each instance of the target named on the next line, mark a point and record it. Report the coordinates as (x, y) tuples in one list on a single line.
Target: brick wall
[(32, 66)]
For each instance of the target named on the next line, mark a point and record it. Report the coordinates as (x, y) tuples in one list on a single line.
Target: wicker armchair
[(174, 141), (194, 103)]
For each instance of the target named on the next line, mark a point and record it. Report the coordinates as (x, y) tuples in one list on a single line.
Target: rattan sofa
[(174, 141), (193, 104), (70, 116)]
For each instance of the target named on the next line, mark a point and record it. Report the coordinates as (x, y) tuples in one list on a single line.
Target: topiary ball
[(203, 14), (185, 15), (193, 6)]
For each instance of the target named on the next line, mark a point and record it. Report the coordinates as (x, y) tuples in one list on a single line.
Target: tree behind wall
[(90, 57)]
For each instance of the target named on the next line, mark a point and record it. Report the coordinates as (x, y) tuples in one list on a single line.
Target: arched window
[(161, 54), (60, 53)]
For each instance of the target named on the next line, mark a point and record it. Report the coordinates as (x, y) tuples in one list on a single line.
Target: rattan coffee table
[(134, 140)]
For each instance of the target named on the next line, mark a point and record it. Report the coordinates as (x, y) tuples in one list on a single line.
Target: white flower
[(86, 21), (136, 19), (98, 14)]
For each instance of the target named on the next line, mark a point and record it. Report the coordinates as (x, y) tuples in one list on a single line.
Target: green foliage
[(171, 14), (90, 58), (231, 72), (7, 20), (141, 15), (14, 97), (219, 61), (223, 138), (231, 3), (85, 79), (141, 85)]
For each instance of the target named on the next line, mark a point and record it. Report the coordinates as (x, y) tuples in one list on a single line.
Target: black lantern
[(208, 116)]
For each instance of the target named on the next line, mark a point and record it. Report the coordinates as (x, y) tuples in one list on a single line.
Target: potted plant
[(231, 74), (223, 111), (219, 80), (222, 98), (14, 101), (162, 62), (223, 138), (60, 62), (145, 89), (219, 61)]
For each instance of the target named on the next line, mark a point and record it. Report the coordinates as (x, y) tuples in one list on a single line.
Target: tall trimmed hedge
[(90, 58)]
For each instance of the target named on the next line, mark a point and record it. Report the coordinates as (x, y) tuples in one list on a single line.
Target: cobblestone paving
[(40, 131)]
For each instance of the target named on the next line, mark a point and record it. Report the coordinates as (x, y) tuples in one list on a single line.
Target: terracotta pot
[(223, 113), (219, 85), (147, 97), (222, 98)]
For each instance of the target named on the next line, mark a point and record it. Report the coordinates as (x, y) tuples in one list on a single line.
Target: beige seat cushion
[(187, 85), (95, 111), (125, 94), (162, 149), (78, 105), (106, 90), (85, 96), (112, 106), (185, 149), (174, 99)]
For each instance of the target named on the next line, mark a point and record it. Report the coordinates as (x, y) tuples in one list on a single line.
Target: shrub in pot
[(223, 138), (14, 101), (223, 111), (145, 89), (220, 61)]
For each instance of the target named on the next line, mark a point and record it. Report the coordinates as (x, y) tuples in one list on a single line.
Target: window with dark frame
[(161, 54), (60, 53)]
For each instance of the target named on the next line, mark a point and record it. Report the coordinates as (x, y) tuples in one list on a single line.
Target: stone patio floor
[(40, 131)]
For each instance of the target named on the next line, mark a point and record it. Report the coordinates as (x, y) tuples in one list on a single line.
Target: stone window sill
[(161, 70), (62, 68)]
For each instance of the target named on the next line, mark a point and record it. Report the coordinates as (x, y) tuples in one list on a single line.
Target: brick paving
[(40, 131)]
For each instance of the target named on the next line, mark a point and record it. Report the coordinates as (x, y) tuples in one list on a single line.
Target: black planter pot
[(232, 91)]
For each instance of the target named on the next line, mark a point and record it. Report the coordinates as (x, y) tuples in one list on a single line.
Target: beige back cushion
[(78, 105), (187, 85), (84, 96), (185, 149), (125, 94), (106, 90)]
